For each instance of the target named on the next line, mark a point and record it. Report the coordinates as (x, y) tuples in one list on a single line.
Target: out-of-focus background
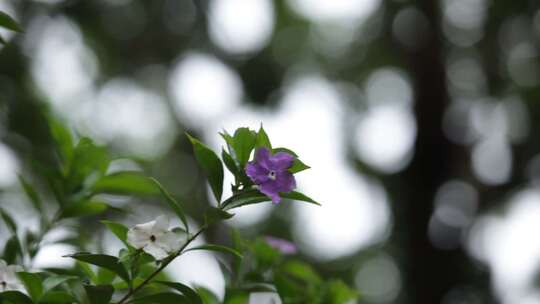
[(418, 118)]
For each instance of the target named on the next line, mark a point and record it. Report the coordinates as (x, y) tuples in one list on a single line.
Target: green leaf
[(302, 271), (245, 198), (125, 182), (100, 294), (207, 296), (175, 206), (32, 283), (52, 282), (15, 297), (297, 196), (191, 294), (297, 165), (31, 193), (88, 159), (162, 298), (63, 138), (214, 215), (106, 261), (84, 208), (229, 162), (8, 220), (262, 139), (8, 22), (211, 165), (119, 230), (338, 292), (243, 143), (217, 248), (12, 249), (57, 297)]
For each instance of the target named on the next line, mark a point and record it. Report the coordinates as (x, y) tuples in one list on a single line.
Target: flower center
[(272, 175), (153, 238)]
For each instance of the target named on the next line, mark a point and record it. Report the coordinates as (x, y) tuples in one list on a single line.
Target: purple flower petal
[(257, 173), (282, 245), (269, 189), (282, 161), (270, 173), (262, 157)]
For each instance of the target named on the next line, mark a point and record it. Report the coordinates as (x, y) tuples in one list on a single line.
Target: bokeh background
[(418, 118)]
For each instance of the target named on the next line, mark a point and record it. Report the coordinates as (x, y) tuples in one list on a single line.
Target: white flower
[(155, 238), (8, 277)]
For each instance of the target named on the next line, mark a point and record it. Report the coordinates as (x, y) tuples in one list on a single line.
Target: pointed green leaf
[(214, 215), (297, 196), (63, 138), (245, 198), (207, 296), (211, 165), (185, 290), (106, 261), (32, 283), (52, 282), (12, 249), (15, 297), (125, 182), (84, 208), (262, 139), (100, 294), (175, 206), (31, 193), (216, 248), (88, 159), (57, 297), (7, 22), (8, 220), (243, 143), (162, 298), (229, 162)]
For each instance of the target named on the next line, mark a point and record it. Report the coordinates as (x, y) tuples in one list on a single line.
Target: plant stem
[(161, 267)]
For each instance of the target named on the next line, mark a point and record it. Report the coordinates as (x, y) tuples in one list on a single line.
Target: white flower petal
[(138, 238), (169, 241), (155, 251), (3, 265), (162, 224)]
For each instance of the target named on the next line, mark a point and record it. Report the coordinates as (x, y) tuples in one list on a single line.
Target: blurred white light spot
[(466, 75), (9, 166), (379, 280), (411, 27), (62, 66), (131, 118), (264, 298), (466, 14), (523, 64), (204, 89), (51, 256), (385, 137), (388, 86), (509, 246), (492, 161), (241, 26), (456, 203), (343, 11)]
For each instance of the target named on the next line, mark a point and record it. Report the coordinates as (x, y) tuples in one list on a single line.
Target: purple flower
[(281, 245), (270, 173)]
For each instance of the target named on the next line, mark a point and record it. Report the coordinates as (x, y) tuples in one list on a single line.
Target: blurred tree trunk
[(430, 273)]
